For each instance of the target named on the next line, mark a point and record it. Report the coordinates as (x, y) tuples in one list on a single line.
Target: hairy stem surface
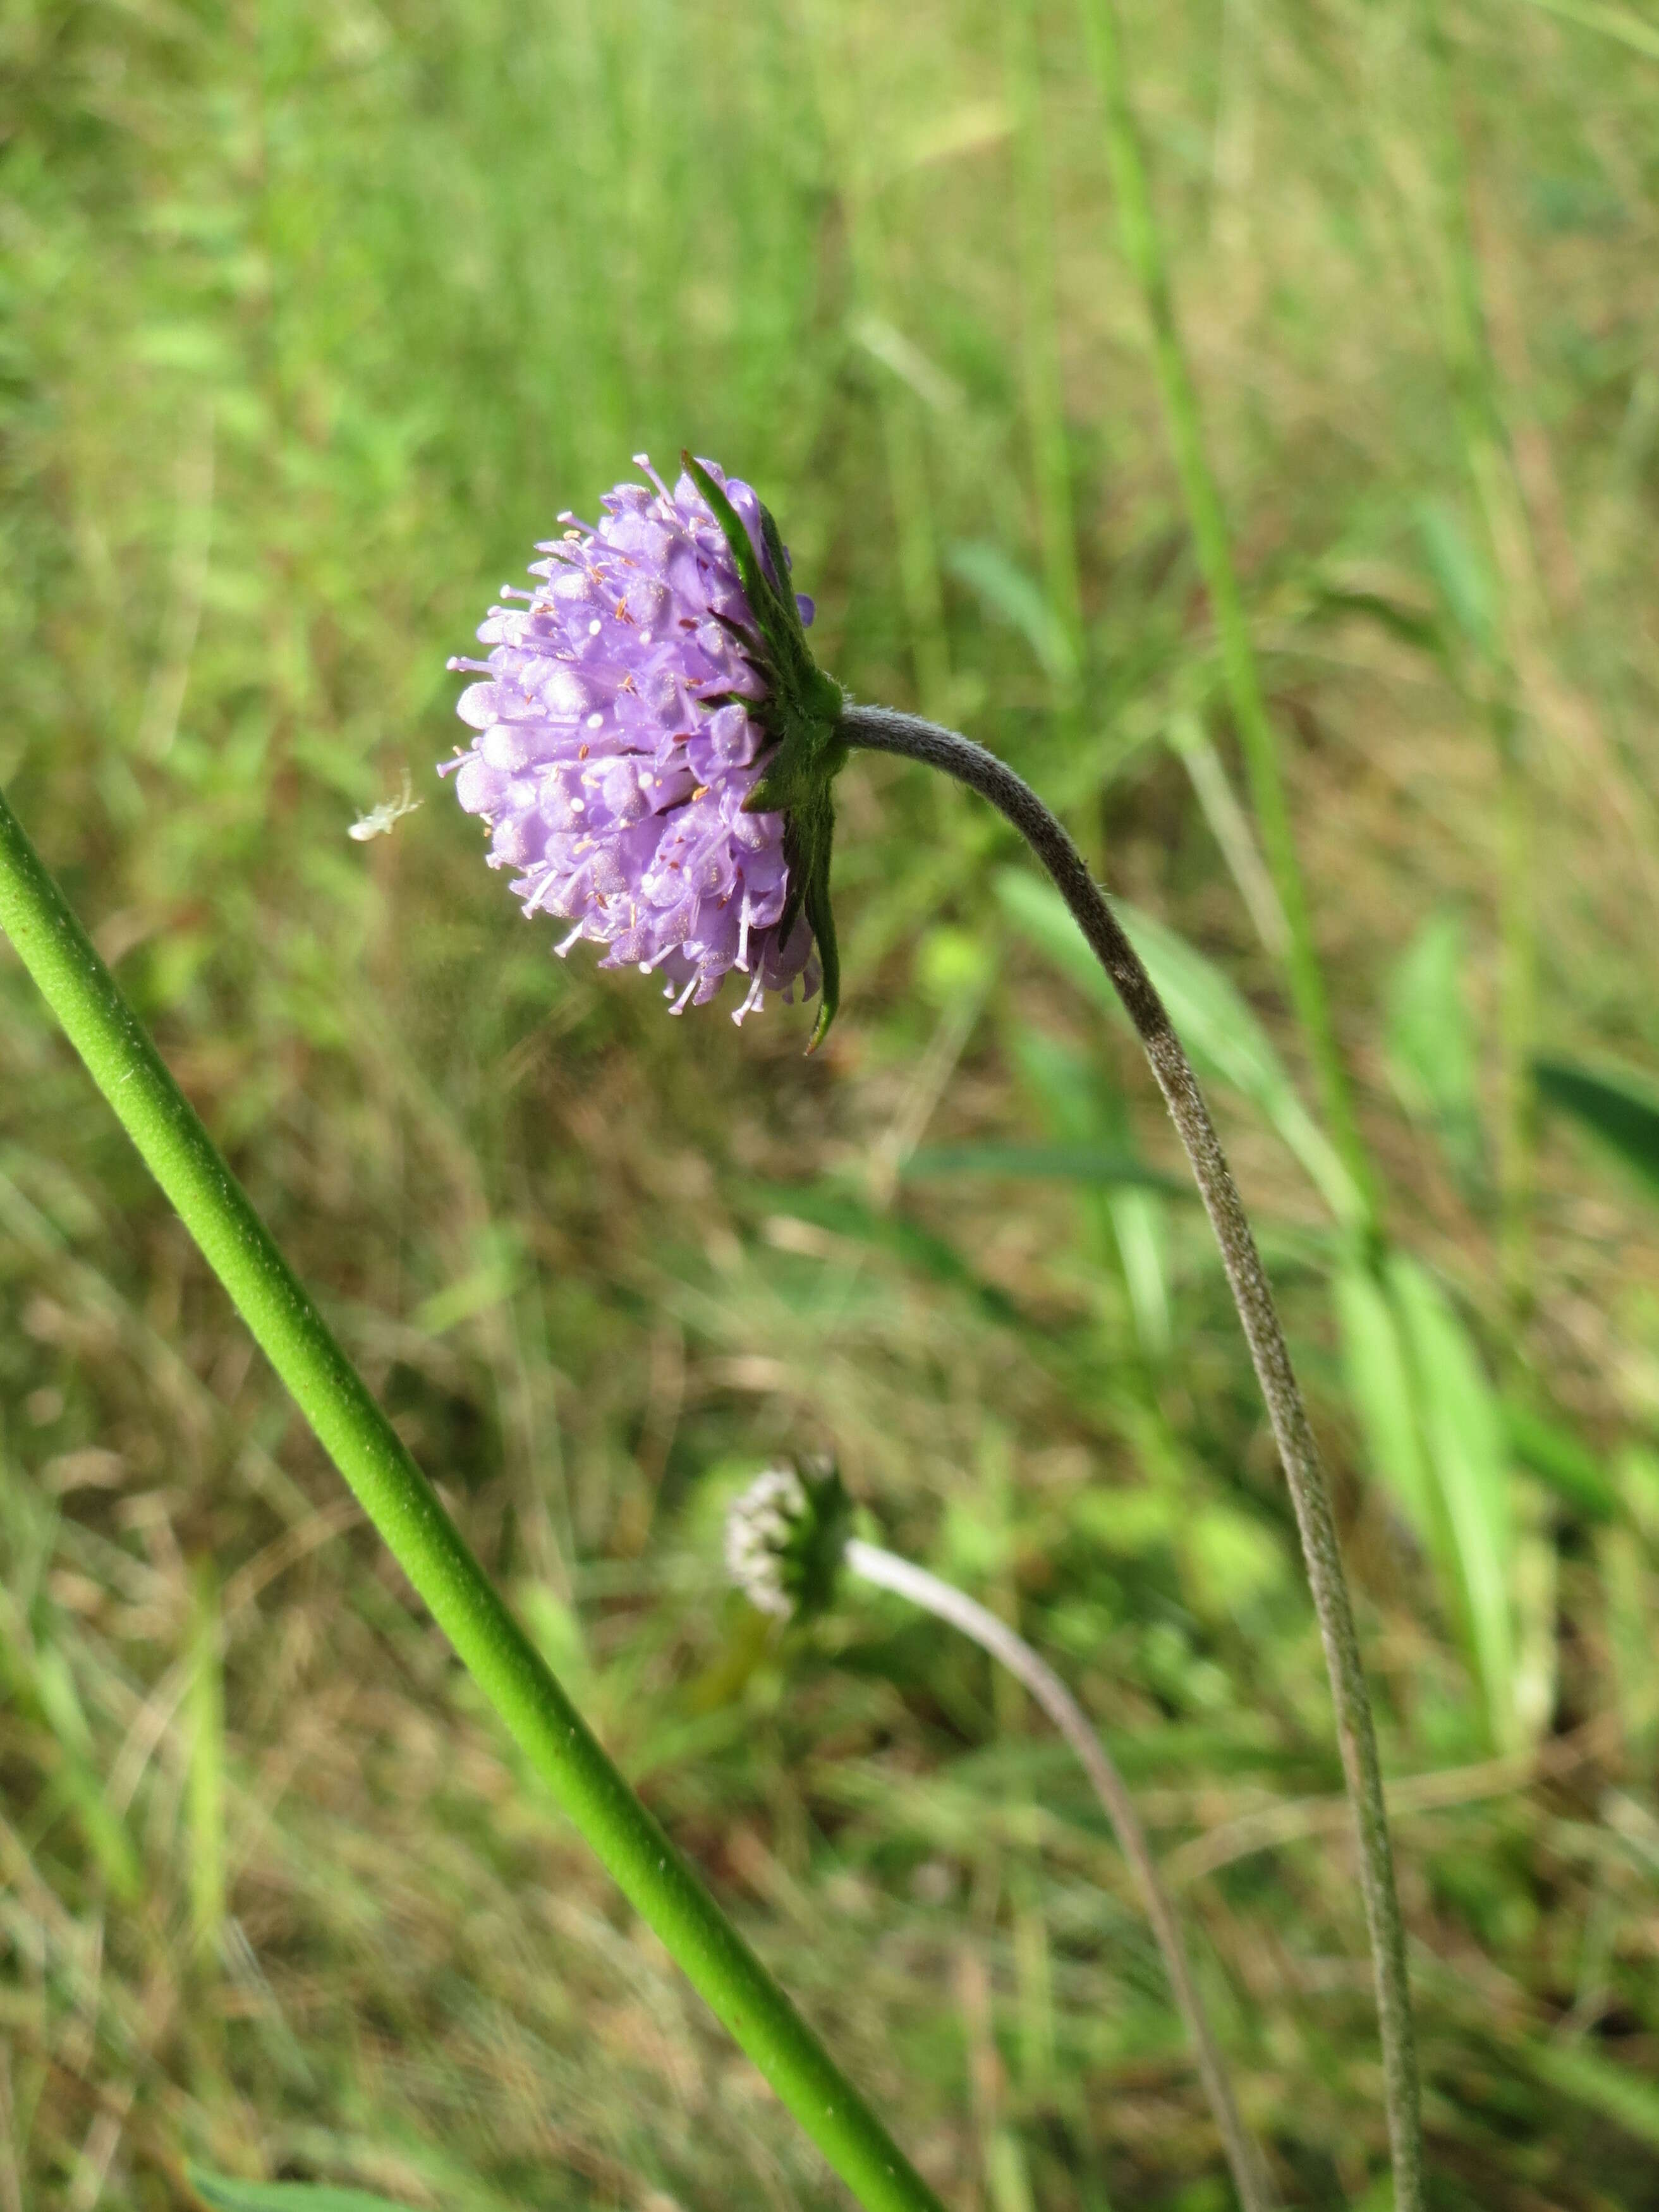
[(888, 1571), (881, 729), (425, 1543)]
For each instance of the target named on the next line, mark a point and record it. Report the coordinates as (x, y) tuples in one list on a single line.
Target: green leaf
[(1618, 1108), (1378, 1375), (1616, 2093), (1038, 912), (1430, 1044), (34, 1673), (1014, 598), (1409, 624), (1460, 576), (1621, 23), (1570, 1469), (1085, 1164), (908, 1241), (1625, 1622), (1437, 1436), (1462, 1429), (1088, 1115), (226, 2195), (1222, 1035)]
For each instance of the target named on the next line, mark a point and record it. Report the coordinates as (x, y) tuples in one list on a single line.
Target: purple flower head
[(628, 712)]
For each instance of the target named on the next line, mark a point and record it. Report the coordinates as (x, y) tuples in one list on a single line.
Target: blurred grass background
[(312, 319)]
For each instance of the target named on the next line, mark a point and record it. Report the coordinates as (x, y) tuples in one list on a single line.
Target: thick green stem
[(425, 1543), (1143, 249)]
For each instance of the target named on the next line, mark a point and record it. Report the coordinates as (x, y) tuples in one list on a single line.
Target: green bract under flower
[(801, 709)]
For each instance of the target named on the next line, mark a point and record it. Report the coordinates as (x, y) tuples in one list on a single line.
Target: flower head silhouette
[(629, 713)]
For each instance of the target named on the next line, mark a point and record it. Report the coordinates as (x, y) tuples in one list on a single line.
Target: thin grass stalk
[(1517, 1022), (1045, 399), (207, 1767), (397, 1498), (1619, 23), (1230, 827), (882, 730), (1523, 701), (884, 1570), (920, 583), (837, 72), (1521, 619), (1143, 249)]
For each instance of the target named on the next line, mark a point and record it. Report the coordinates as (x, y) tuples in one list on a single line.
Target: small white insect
[(378, 821)]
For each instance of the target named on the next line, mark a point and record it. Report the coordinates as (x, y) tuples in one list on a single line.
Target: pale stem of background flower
[(887, 1571), (881, 729)]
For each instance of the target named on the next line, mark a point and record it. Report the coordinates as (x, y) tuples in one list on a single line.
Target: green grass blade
[(1011, 596), (1083, 1164), (206, 1767), (1619, 1109), (1220, 1031), (1378, 1375), (224, 2194), (1624, 2097), (1040, 328), (1463, 1433), (1613, 23), (1430, 1043), (1559, 1459), (1084, 1113), (1143, 248), (36, 1681)]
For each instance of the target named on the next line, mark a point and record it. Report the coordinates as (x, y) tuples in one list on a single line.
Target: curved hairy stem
[(882, 730), (888, 1571), (425, 1543)]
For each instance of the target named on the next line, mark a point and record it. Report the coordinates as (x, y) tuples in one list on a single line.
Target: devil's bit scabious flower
[(785, 1537), (655, 744)]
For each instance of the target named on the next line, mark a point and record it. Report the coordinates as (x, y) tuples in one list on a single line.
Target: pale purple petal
[(607, 781)]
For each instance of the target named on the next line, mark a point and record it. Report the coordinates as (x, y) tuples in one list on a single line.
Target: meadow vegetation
[(315, 317)]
